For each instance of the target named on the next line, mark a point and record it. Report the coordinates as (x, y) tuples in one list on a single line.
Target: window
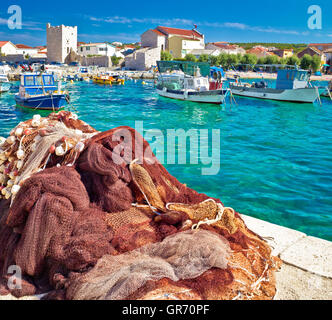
[(29, 80), (48, 81), (87, 48), (81, 49)]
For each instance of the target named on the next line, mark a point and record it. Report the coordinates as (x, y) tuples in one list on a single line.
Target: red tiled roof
[(22, 46), (320, 44), (158, 32), (180, 32), (225, 45), (2, 43)]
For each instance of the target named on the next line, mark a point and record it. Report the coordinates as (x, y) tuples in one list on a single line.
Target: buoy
[(19, 164), (20, 154), (52, 148), (18, 132), (15, 189), (79, 146), (11, 139), (59, 151), (143, 82)]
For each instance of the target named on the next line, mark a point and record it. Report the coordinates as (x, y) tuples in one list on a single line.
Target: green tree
[(213, 60), (222, 59), (232, 59), (165, 55), (306, 62), (293, 60), (115, 60), (316, 63), (190, 57), (271, 60), (260, 60), (203, 58), (249, 58)]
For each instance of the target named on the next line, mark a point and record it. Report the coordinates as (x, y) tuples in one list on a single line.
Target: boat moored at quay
[(39, 92), (291, 86), (185, 81)]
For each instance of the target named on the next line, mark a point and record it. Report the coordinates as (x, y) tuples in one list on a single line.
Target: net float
[(2, 178), (8, 194), (3, 191), (42, 132), (27, 132), (35, 123), (64, 138), (15, 189), (52, 148), (18, 132), (10, 183), (11, 175), (10, 139), (36, 117), (19, 164), (59, 151), (20, 154), (6, 171), (2, 141)]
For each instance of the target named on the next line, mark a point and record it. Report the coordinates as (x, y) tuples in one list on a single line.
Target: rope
[(139, 187), (216, 219)]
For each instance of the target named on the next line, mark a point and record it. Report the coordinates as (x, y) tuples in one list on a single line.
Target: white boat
[(4, 82), (178, 85), (291, 85)]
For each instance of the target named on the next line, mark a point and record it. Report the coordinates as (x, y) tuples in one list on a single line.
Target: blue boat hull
[(54, 102)]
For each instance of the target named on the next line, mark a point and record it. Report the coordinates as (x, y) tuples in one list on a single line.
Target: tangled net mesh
[(103, 219)]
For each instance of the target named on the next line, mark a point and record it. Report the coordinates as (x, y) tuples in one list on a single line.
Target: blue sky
[(124, 21)]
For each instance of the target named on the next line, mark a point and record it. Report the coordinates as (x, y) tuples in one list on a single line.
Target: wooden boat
[(291, 85), (39, 92), (108, 79), (4, 82), (327, 92), (196, 88)]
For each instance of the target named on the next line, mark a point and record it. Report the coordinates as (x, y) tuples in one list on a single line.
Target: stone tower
[(60, 41)]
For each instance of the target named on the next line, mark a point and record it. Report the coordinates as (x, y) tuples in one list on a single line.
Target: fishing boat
[(39, 92), (185, 82), (108, 78), (291, 85), (4, 82)]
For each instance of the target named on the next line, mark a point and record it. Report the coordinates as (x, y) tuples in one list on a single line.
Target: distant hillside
[(297, 47)]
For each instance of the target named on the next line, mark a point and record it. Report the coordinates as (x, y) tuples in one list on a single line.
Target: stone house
[(312, 51), (284, 53), (178, 42), (61, 40), (142, 59)]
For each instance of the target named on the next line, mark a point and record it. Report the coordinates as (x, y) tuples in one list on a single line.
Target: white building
[(7, 48), (142, 59), (60, 41), (26, 50), (96, 49), (210, 52)]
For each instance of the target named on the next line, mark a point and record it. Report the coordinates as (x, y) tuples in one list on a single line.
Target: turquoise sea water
[(275, 158)]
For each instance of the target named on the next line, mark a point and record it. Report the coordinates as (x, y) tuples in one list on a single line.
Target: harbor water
[(275, 157)]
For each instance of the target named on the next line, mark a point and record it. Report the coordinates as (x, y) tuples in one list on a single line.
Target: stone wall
[(142, 59), (101, 61), (60, 41)]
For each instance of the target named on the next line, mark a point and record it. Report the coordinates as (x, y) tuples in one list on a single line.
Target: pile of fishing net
[(94, 215)]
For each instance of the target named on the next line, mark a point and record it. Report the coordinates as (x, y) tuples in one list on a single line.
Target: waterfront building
[(26, 50), (284, 53), (142, 59), (178, 42), (96, 49), (225, 47), (312, 51), (7, 48), (61, 40)]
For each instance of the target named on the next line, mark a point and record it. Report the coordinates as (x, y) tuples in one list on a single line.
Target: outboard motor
[(261, 85)]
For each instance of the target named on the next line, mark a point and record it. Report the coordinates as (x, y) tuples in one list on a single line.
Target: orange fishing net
[(105, 220)]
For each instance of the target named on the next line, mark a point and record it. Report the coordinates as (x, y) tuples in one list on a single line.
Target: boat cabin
[(179, 81), (292, 79), (37, 83)]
